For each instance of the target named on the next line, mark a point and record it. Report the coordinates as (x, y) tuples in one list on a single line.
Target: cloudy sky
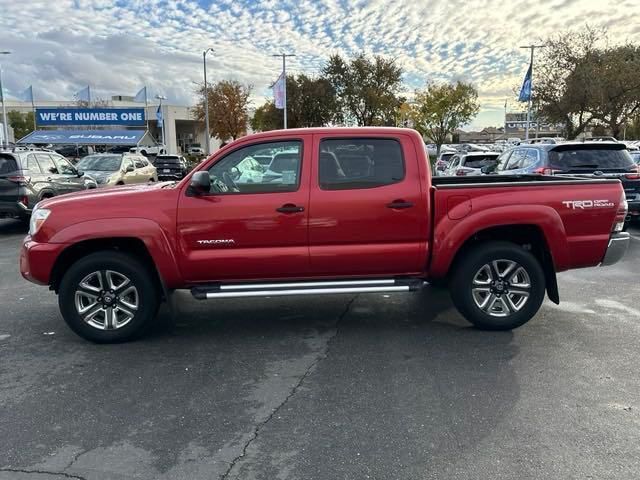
[(117, 46)]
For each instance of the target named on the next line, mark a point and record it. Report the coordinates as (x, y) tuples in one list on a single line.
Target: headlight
[(38, 217)]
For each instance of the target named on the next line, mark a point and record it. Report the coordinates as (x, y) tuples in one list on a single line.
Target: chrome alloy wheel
[(501, 288), (106, 300)]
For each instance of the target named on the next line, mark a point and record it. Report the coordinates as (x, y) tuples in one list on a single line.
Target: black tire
[(147, 297), (469, 296)]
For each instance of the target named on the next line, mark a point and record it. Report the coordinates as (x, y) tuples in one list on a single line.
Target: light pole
[(161, 97), (532, 48), (284, 78), (5, 126), (207, 135)]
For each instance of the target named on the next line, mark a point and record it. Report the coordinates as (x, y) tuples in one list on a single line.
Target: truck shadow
[(9, 226)]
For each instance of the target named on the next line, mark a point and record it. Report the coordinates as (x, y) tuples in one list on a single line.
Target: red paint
[(340, 233)]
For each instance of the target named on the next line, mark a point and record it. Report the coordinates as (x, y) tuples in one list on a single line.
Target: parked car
[(118, 169), (466, 164), (323, 227), (118, 149), (600, 139), (28, 176), (146, 150), (74, 152), (196, 151), (170, 167), (443, 161), (549, 140), (589, 159)]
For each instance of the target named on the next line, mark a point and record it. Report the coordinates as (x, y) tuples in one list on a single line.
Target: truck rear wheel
[(108, 297), (497, 286)]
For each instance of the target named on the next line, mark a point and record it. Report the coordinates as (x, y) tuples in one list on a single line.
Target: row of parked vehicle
[(594, 159), (29, 176)]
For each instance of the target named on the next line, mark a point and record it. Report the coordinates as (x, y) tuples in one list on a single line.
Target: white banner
[(278, 92)]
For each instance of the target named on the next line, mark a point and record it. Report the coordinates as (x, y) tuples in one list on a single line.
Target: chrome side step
[(283, 289)]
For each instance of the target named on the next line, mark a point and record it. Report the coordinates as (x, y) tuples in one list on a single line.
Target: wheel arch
[(528, 236)]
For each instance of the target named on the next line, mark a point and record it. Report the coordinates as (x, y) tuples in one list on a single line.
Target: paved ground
[(366, 387)]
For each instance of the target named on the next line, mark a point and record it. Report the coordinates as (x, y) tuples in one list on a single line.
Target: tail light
[(19, 179), (634, 173), (621, 214), (24, 201)]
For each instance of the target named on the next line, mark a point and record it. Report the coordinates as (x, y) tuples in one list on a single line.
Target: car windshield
[(589, 158), (167, 159), (102, 163)]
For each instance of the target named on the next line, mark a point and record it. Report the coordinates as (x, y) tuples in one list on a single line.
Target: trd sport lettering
[(574, 204)]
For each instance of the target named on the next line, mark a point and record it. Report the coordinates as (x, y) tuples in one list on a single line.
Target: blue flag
[(84, 94), (525, 91), (141, 96), (27, 95), (159, 116)]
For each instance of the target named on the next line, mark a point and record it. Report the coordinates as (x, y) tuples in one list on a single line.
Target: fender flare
[(148, 231), (451, 235)]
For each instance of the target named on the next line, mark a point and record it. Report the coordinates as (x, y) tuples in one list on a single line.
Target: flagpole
[(532, 48), (146, 107), (33, 109), (284, 79)]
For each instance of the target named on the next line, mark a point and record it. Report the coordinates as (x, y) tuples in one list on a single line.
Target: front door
[(368, 212), (253, 222), (68, 178)]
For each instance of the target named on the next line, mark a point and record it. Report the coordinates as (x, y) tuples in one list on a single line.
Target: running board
[(283, 289)]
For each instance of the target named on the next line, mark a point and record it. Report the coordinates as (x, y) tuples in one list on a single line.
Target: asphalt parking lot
[(365, 387)]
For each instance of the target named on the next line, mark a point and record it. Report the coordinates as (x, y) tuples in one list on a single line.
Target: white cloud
[(61, 46)]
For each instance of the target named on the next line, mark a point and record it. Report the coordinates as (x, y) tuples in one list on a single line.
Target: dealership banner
[(84, 137), (90, 116)]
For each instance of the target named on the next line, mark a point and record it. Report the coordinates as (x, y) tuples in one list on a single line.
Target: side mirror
[(200, 183), (129, 169)]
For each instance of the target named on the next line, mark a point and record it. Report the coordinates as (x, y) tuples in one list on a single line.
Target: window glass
[(517, 159), (138, 162), (8, 164), (531, 158), (126, 163), (63, 166), (588, 157), (46, 164), (479, 161), (503, 160), (32, 164), (240, 172), (100, 163), (347, 163)]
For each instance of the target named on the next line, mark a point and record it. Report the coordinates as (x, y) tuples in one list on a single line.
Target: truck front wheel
[(108, 297), (497, 286)]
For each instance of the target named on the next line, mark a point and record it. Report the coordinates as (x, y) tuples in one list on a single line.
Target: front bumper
[(618, 245), (37, 260)]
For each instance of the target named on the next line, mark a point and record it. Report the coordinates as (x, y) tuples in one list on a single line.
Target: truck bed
[(516, 180)]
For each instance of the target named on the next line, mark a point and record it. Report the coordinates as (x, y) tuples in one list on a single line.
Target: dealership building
[(181, 129)]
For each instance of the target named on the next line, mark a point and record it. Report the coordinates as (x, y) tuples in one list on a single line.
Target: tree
[(615, 86), (366, 89), (228, 109), (311, 102), (562, 84), (22, 123), (440, 109)]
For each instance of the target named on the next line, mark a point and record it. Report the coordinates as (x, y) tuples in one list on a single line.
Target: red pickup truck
[(320, 211)]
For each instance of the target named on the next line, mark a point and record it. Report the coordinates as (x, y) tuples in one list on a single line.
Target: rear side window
[(348, 163), (46, 164), (589, 158), (8, 164), (517, 160), (32, 165)]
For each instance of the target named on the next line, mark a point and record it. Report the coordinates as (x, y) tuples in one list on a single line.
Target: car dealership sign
[(90, 116)]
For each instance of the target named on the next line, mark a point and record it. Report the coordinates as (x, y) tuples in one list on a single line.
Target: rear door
[(368, 214), (49, 170)]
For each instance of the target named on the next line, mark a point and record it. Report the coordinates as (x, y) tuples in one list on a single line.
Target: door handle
[(289, 208), (399, 204)]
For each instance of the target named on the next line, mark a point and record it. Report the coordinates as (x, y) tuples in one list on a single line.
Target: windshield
[(577, 157), (102, 163)]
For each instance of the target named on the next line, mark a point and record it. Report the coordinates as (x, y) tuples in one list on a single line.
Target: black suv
[(26, 177), (170, 167), (591, 159)]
